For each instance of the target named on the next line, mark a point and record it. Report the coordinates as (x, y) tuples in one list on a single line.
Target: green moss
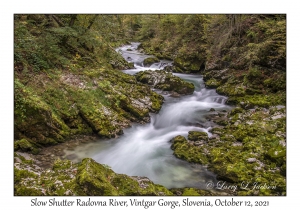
[(19, 174), (187, 64), (236, 110), (150, 60), (157, 101), (197, 136), (231, 90), (25, 191), (190, 192), (95, 179), (177, 139), (255, 136), (253, 74), (184, 150), (23, 144), (212, 83), (277, 154)]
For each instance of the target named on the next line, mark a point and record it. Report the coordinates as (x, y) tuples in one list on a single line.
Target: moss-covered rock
[(212, 83), (187, 151), (277, 155), (197, 136), (165, 81), (57, 105), (251, 147), (25, 146), (190, 64), (86, 178), (150, 60), (95, 179)]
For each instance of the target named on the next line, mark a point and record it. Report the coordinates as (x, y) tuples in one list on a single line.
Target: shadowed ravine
[(144, 150)]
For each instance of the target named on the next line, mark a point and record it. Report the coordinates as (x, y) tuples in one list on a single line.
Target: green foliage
[(178, 37), (44, 42), (248, 40)]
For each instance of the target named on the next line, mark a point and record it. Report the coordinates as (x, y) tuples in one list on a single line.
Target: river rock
[(165, 81), (197, 136), (169, 68), (149, 61), (177, 139)]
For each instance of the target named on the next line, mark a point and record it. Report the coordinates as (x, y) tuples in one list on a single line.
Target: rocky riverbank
[(246, 146), (244, 59), (54, 106), (87, 178), (75, 113)]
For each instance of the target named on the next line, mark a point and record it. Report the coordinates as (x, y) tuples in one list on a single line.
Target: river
[(144, 150)]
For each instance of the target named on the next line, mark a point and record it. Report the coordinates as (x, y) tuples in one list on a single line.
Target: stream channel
[(145, 150)]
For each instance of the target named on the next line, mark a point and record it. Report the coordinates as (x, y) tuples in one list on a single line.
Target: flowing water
[(144, 150)]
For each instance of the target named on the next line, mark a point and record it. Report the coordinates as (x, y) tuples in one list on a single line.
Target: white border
[(8, 8)]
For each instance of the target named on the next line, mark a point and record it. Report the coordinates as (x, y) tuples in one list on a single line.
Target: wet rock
[(197, 136), (186, 64), (169, 68), (175, 95), (165, 81), (178, 139), (150, 60)]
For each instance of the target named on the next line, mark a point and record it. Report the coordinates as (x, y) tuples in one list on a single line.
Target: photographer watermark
[(223, 185)]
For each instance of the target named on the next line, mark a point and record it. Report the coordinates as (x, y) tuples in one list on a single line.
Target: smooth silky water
[(144, 150)]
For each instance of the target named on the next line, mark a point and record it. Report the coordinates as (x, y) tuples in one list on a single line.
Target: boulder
[(149, 61), (165, 81), (197, 136)]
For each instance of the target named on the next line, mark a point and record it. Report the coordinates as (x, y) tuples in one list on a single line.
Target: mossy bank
[(55, 105), (87, 178), (249, 148)]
